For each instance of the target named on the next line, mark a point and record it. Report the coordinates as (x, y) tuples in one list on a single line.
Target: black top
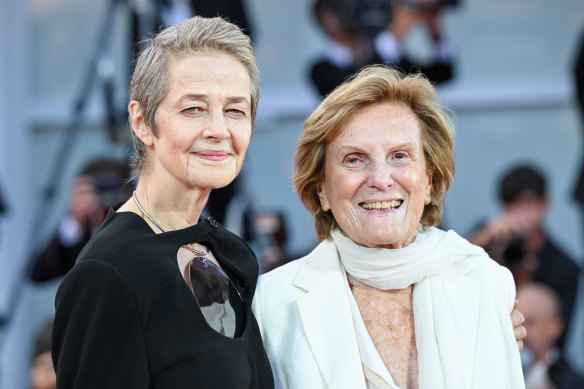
[(559, 272), (125, 318), (563, 376), (326, 76)]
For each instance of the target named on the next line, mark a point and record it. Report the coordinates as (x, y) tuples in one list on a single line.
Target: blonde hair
[(373, 85), (149, 83)]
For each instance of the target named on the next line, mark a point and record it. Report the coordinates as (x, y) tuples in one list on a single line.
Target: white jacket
[(307, 325)]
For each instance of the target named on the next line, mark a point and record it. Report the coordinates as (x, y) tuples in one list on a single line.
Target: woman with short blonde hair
[(375, 84), (386, 300)]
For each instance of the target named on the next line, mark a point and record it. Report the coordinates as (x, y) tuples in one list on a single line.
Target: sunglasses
[(218, 298)]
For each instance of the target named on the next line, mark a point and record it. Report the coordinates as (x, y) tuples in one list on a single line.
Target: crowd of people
[(546, 277), (386, 300), (516, 238)]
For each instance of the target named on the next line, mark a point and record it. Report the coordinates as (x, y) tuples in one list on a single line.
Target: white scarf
[(444, 361), (431, 252)]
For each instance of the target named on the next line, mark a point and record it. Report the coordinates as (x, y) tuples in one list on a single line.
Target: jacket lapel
[(447, 335), (327, 319), (465, 297)]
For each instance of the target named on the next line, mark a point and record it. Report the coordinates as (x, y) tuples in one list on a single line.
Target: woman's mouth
[(212, 155), (381, 205)]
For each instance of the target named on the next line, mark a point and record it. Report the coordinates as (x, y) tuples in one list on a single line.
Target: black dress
[(125, 318)]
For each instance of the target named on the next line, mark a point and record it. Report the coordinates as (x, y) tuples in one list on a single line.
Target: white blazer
[(307, 326)]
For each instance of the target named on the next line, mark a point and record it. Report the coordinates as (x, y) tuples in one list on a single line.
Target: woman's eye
[(353, 160), (237, 113), (400, 156), (192, 110)]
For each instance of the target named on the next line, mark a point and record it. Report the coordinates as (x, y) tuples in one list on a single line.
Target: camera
[(369, 17)]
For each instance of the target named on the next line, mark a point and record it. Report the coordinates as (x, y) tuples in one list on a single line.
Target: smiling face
[(204, 123), (376, 183)]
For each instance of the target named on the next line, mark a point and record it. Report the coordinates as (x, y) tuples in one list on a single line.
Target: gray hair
[(149, 82)]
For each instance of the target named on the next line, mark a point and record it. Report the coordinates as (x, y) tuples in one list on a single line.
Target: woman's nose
[(380, 175), (216, 127)]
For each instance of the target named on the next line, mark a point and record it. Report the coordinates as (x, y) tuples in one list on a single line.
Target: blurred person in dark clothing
[(100, 184), (543, 364), (516, 237), (522, 264), (233, 10), (271, 230), (174, 11), (353, 43)]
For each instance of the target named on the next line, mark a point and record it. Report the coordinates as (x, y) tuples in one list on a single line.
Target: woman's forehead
[(388, 122)]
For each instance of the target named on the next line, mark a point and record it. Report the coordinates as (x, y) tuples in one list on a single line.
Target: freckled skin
[(377, 156), (389, 318)]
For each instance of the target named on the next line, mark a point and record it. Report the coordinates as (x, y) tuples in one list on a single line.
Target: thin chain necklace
[(186, 246)]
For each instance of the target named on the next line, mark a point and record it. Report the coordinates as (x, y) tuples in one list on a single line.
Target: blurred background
[(64, 69)]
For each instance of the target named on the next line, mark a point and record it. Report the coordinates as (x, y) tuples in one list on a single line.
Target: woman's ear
[(140, 124), (324, 203), (428, 189)]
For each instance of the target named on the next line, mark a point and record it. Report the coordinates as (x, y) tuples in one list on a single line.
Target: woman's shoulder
[(113, 239), (321, 258), (486, 269), (280, 287), (92, 282), (276, 293), (283, 275), (126, 248), (493, 279)]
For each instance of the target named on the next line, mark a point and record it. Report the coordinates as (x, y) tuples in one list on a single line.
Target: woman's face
[(204, 123), (376, 184)]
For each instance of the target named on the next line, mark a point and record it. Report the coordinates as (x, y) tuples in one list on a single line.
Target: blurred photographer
[(522, 264), (99, 185), (364, 32), (516, 237)]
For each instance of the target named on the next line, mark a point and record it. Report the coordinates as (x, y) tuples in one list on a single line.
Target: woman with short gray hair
[(161, 297)]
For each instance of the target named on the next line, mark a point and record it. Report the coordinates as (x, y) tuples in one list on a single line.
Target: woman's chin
[(392, 240), (216, 182)]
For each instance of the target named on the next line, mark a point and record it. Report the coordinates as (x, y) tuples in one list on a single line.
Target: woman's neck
[(171, 209)]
